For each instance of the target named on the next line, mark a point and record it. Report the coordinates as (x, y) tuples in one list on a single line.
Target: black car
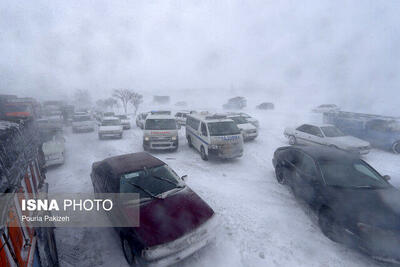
[(355, 204)]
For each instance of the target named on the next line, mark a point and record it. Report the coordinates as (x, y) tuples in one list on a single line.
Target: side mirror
[(386, 177), (184, 177)]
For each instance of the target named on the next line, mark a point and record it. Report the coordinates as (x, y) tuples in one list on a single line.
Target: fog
[(290, 52)]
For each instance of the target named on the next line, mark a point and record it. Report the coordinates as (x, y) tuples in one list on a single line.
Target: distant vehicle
[(54, 150), (355, 204), (50, 124), (381, 131), (238, 102), (265, 106), (181, 104), (17, 111), (82, 123), (125, 121), (160, 132), (160, 112), (249, 131), (161, 99), (140, 119), (326, 135), (326, 108), (110, 127), (249, 118), (180, 117), (108, 114), (166, 202), (214, 136)]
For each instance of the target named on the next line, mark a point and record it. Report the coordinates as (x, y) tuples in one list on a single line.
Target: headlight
[(173, 138), (214, 146), (146, 138)]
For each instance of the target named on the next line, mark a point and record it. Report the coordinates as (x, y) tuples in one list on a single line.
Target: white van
[(214, 136), (160, 132), (180, 117)]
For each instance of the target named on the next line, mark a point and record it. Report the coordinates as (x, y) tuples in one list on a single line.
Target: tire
[(189, 139), (203, 154), (279, 175), (326, 222), (128, 251), (396, 147), (292, 140)]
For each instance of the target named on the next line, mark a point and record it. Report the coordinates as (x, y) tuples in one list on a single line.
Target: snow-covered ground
[(262, 223)]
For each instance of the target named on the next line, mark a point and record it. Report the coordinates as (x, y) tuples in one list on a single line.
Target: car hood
[(110, 128), (246, 126), (165, 220), (52, 147), (375, 207), (348, 141)]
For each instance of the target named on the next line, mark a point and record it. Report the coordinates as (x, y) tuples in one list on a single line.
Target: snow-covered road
[(262, 223)]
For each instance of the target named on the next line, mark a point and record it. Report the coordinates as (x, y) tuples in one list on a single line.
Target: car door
[(204, 134), (305, 180)]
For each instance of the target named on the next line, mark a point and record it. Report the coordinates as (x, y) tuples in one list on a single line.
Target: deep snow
[(262, 223)]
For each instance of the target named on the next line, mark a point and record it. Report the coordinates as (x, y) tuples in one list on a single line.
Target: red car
[(174, 221)]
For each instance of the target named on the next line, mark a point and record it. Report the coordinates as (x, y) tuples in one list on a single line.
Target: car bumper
[(224, 154), (161, 145), (83, 129), (54, 161), (187, 247), (111, 135), (249, 136)]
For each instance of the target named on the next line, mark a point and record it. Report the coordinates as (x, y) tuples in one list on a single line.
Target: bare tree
[(124, 95), (111, 102), (136, 99)]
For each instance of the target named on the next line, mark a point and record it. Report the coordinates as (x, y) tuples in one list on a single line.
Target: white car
[(125, 121), (110, 127), (327, 135), (180, 117), (53, 150), (326, 108), (249, 118), (249, 131), (82, 123)]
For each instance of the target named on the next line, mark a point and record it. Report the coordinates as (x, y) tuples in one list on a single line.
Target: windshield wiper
[(166, 180), (144, 190)]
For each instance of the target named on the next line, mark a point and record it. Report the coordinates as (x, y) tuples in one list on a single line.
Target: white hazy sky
[(346, 52)]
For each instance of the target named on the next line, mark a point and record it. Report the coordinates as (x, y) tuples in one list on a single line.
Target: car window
[(307, 165), (331, 131), (315, 131), (303, 128), (204, 129)]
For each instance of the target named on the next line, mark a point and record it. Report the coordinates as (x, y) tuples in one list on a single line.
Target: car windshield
[(110, 122), (331, 131), (239, 120), (81, 118), (223, 128), (16, 108), (150, 182), (351, 174), (160, 124)]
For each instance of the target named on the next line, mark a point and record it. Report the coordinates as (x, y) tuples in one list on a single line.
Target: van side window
[(203, 129)]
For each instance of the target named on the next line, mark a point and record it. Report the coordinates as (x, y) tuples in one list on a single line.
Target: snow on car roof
[(132, 162), (160, 116)]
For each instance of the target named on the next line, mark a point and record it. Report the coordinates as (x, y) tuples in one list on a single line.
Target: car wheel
[(279, 175), (189, 139), (203, 154), (128, 252), (396, 147), (327, 223), (292, 140)]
